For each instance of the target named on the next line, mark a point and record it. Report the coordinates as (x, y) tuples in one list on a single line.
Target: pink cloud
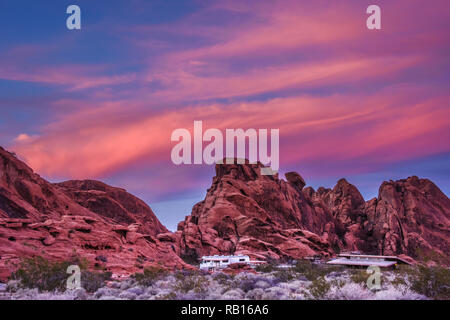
[(74, 77), (182, 84), (285, 45), (96, 142)]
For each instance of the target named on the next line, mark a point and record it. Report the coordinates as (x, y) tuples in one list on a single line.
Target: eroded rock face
[(115, 204), (265, 217), (245, 212), (295, 179), (410, 216), (38, 218)]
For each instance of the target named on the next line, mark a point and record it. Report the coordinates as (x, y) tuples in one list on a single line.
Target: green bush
[(359, 275), (433, 282), (150, 275), (196, 283), (45, 275), (92, 281), (266, 267), (319, 288), (305, 268), (223, 278), (313, 271), (42, 274), (427, 255), (284, 275)]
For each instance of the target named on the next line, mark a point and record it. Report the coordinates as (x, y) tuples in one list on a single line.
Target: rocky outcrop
[(266, 217), (295, 179), (114, 204), (410, 216), (236, 268), (347, 206), (245, 212), (58, 221)]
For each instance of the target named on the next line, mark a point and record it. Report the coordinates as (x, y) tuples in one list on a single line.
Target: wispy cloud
[(336, 90)]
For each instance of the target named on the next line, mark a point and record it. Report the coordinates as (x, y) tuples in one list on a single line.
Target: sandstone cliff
[(266, 217), (106, 225)]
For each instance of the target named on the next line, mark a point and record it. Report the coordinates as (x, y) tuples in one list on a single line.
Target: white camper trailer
[(221, 262)]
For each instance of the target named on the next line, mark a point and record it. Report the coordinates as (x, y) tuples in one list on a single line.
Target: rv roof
[(353, 262), (348, 255), (224, 257)]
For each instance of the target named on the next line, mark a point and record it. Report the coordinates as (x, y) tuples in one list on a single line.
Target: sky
[(102, 102)]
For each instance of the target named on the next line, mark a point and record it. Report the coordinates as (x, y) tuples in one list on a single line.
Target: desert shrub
[(247, 284), (149, 275), (359, 276), (338, 284), (255, 294), (433, 282), (276, 293), (319, 288), (195, 283), (233, 294), (427, 256), (349, 291), (313, 271), (173, 296), (45, 275), (222, 278), (399, 280), (92, 281), (267, 267), (180, 274), (284, 275), (106, 292)]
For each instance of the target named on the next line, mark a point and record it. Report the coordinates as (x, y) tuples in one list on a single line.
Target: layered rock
[(245, 212), (347, 206), (410, 216), (114, 204), (58, 221), (266, 217)]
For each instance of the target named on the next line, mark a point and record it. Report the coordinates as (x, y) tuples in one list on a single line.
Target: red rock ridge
[(245, 212), (114, 204), (266, 217), (38, 218)]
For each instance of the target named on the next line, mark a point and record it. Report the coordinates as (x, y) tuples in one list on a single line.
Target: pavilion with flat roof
[(364, 260)]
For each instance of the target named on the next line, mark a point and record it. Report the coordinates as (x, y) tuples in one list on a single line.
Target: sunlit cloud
[(336, 91)]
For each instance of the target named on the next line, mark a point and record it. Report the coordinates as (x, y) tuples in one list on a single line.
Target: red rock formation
[(245, 212), (410, 216), (38, 218), (114, 204), (347, 206), (236, 268), (265, 217)]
